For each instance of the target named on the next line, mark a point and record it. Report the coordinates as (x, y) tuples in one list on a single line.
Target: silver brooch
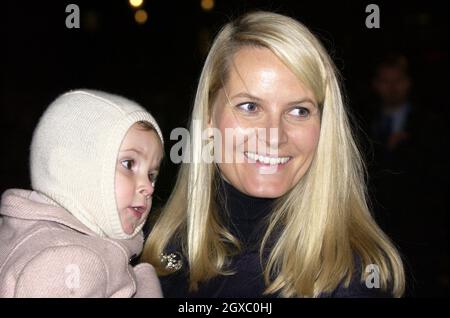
[(172, 262)]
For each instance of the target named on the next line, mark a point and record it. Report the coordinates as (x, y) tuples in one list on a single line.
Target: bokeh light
[(136, 3), (207, 5), (141, 16)]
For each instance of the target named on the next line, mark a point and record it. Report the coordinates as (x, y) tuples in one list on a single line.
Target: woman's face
[(261, 92)]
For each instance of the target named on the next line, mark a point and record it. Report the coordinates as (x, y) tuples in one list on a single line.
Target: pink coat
[(46, 252)]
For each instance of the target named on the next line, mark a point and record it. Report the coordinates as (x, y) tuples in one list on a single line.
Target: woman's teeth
[(267, 160)]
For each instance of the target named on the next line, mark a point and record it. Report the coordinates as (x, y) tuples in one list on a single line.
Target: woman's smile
[(275, 120)]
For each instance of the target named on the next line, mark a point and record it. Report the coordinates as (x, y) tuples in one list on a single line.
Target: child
[(94, 162)]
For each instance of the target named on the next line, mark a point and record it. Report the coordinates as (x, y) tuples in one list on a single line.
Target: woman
[(290, 219)]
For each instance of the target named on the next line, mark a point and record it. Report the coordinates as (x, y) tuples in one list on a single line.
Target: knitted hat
[(74, 152)]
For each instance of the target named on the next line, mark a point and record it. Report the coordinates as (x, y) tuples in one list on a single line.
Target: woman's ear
[(211, 119), (210, 127), (210, 123)]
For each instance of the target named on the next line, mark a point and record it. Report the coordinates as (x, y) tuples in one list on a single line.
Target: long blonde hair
[(321, 223)]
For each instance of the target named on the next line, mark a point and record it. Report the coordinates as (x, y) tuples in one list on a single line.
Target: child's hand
[(148, 285)]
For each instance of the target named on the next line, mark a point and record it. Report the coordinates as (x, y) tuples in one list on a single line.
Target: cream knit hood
[(74, 152)]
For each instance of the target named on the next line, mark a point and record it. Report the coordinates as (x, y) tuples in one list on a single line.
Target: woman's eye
[(127, 164), (248, 107), (300, 112)]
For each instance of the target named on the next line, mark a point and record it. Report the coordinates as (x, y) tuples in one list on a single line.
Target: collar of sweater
[(31, 205), (244, 215)]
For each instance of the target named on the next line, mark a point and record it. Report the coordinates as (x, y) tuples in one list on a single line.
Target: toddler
[(94, 162)]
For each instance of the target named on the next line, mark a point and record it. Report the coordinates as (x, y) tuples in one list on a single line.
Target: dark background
[(158, 65)]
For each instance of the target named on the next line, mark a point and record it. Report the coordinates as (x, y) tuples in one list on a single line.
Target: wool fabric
[(74, 152)]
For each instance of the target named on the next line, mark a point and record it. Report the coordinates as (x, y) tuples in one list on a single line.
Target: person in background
[(408, 172)]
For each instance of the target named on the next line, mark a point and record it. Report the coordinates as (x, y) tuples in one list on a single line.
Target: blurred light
[(424, 19), (90, 21), (207, 5), (136, 3), (141, 16)]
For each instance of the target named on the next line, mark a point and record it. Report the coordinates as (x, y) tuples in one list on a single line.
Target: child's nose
[(146, 187)]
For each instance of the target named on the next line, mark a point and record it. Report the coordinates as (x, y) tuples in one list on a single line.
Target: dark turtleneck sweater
[(245, 217)]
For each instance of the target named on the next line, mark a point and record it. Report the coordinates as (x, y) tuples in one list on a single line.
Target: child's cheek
[(123, 191)]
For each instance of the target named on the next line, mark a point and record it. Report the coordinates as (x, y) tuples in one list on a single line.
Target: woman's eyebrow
[(249, 96), (303, 100), (246, 95)]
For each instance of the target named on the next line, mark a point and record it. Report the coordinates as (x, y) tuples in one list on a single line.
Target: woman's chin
[(266, 189)]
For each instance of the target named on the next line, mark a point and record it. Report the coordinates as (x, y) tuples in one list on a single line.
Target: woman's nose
[(275, 132)]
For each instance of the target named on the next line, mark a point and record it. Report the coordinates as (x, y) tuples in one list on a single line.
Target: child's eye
[(248, 107), (127, 164), (153, 177), (300, 112)]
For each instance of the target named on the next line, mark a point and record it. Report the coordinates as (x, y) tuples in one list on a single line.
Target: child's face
[(137, 167)]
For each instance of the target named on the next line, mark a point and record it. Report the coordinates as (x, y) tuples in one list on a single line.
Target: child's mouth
[(138, 211)]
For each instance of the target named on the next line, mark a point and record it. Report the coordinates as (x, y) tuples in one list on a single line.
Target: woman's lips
[(267, 164), (267, 160)]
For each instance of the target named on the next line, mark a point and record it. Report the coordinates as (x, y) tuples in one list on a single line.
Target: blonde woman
[(290, 219)]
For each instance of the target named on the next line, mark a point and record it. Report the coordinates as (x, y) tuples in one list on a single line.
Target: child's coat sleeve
[(148, 285), (66, 271)]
